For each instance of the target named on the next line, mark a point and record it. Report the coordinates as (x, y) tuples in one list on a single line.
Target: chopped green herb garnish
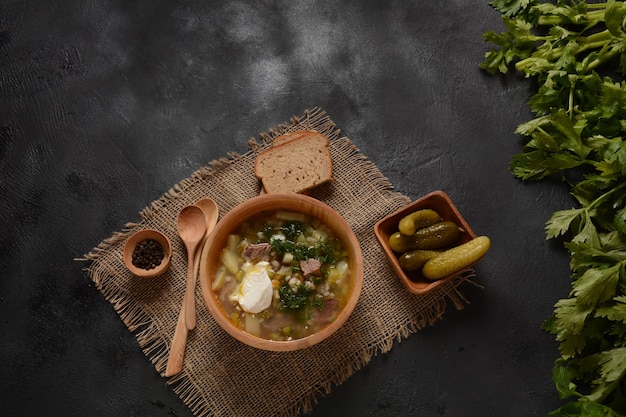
[(300, 302), (294, 300), (318, 302), (268, 232), (325, 252), (300, 251), (292, 230)]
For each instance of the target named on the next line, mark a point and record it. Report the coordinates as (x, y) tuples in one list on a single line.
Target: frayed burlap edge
[(142, 325)]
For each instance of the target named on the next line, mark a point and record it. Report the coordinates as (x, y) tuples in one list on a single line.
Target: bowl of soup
[(281, 272)]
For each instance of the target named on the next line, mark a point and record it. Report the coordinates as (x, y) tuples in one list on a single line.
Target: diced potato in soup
[(283, 276)]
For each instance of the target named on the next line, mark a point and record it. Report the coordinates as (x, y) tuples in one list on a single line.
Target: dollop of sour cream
[(255, 292)]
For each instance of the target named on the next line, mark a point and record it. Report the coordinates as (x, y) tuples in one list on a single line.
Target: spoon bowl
[(192, 226), (211, 213)]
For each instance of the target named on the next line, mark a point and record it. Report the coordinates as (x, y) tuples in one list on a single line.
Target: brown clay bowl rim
[(278, 201), (137, 237), (436, 200)]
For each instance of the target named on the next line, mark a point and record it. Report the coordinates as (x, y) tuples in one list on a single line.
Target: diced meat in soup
[(311, 267), (329, 311), (256, 251)]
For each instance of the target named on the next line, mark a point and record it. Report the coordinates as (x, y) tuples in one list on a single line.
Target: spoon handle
[(190, 298), (179, 343)]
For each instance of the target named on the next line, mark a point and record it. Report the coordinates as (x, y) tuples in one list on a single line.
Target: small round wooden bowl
[(210, 260), (140, 236)]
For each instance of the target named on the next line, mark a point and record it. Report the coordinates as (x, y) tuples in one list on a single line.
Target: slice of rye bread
[(286, 138), (295, 163)]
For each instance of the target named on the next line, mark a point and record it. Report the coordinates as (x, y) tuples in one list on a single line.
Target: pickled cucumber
[(415, 260), (419, 219), (457, 258), (437, 236)]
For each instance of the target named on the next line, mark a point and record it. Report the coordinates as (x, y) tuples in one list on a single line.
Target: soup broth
[(283, 276)]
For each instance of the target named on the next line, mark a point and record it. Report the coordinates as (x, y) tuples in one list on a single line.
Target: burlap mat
[(223, 377)]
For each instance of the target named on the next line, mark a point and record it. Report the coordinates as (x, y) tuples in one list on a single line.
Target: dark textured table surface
[(106, 105)]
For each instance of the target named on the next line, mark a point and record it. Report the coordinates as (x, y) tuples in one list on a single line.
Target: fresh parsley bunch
[(576, 52)]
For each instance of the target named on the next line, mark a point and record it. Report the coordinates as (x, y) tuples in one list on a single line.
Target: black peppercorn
[(148, 254)]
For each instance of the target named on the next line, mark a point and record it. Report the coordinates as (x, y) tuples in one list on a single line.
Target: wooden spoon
[(211, 214), (191, 228), (179, 340)]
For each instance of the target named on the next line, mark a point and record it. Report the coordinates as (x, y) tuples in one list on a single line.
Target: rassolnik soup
[(283, 276)]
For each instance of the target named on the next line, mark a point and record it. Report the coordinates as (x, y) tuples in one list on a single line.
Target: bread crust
[(279, 140)]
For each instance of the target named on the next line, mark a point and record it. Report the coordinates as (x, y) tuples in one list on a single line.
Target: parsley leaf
[(510, 7), (564, 384), (597, 284), (561, 221)]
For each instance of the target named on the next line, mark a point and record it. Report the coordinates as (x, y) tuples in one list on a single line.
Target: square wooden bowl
[(441, 203)]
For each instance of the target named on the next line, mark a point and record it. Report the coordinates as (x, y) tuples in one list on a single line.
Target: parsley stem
[(570, 102), (608, 390), (600, 60), (595, 203), (592, 17), (595, 39)]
